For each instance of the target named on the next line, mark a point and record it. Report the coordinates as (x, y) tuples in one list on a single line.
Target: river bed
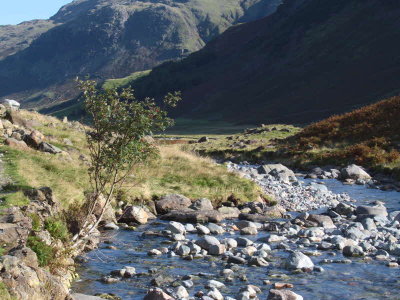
[(356, 280)]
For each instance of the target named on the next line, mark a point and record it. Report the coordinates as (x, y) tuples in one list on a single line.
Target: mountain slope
[(108, 39), (369, 136), (14, 38), (310, 59)]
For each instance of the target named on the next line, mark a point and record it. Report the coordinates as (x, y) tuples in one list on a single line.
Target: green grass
[(244, 146), (122, 82), (45, 253), (57, 229), (175, 171)]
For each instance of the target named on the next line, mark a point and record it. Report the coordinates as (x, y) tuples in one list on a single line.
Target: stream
[(355, 279)]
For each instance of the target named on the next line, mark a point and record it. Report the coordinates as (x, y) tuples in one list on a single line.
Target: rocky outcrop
[(26, 280), (14, 228)]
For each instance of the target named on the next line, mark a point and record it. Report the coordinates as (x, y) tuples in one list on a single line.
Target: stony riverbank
[(235, 249)]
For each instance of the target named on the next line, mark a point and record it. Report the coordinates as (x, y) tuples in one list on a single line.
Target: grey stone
[(298, 260)]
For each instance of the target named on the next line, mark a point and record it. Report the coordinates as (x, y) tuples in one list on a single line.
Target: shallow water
[(358, 280)]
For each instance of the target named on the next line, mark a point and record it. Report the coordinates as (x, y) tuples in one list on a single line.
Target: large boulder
[(354, 172), (202, 204), (34, 139), (14, 143), (283, 295), (322, 220), (378, 210), (298, 260), (207, 241), (279, 171), (46, 147), (134, 214), (198, 216), (172, 202), (229, 212), (11, 104)]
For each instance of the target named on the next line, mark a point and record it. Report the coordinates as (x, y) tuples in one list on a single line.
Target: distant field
[(204, 127), (121, 82)]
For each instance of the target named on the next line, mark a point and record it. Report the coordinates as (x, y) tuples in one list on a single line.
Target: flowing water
[(356, 280)]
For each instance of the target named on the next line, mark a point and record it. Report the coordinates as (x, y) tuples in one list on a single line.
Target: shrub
[(44, 252), (57, 229)]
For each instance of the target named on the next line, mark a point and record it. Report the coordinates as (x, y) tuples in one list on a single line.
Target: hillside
[(14, 38), (307, 61), (369, 136), (112, 39)]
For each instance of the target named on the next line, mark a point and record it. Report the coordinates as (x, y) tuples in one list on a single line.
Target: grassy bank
[(253, 145), (175, 170)]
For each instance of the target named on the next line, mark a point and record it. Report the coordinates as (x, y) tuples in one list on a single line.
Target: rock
[(34, 139), (243, 242), (321, 188), (181, 292), (298, 260), (215, 229), (21, 275), (279, 171), (172, 202), (46, 147), (201, 216), (203, 139), (372, 211), (258, 261), (354, 172), (176, 227), (229, 212), (242, 224), (157, 294), (162, 280), (230, 243), (215, 294), (111, 226), (3, 111), (283, 295), (353, 251), (183, 250), (249, 231), (19, 145), (201, 229), (207, 241), (236, 260), (202, 204), (11, 104), (154, 252), (282, 285), (214, 284), (134, 214), (322, 220), (344, 209), (217, 249)]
